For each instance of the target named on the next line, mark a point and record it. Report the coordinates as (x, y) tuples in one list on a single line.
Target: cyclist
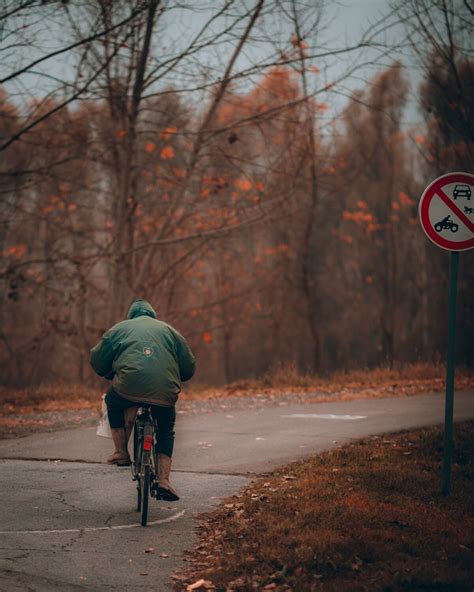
[(146, 359)]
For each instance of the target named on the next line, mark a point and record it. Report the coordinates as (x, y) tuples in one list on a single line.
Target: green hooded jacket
[(147, 358)]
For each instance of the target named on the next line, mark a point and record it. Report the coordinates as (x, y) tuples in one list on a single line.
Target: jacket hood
[(141, 308)]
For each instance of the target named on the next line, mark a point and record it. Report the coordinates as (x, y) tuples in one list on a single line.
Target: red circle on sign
[(424, 207)]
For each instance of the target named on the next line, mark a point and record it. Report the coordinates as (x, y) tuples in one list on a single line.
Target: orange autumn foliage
[(405, 199), (167, 152), (243, 184), (207, 337), (279, 85), (297, 42), (358, 217), (168, 132), (15, 251), (180, 173), (150, 147)]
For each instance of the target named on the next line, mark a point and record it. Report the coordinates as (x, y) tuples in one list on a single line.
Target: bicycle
[(144, 470)]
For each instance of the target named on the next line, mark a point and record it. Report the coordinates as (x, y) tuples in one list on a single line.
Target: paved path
[(67, 520)]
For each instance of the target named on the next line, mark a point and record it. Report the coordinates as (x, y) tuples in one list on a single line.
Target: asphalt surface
[(68, 520)]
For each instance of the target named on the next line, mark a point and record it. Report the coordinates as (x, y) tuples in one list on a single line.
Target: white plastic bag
[(103, 428)]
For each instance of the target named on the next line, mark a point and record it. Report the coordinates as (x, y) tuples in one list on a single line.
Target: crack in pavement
[(249, 474), (23, 556), (61, 497), (107, 522)]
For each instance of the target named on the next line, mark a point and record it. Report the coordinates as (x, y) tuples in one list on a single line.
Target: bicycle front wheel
[(139, 495), (136, 469), (145, 492)]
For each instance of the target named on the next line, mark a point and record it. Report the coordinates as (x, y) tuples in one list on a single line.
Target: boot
[(164, 491), (120, 457)]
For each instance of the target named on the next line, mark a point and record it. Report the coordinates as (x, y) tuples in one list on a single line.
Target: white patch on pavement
[(324, 416), (94, 528)]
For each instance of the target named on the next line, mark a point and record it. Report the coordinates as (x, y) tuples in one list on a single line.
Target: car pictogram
[(462, 191)]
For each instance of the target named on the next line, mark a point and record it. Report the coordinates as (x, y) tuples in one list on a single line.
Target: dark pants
[(164, 418)]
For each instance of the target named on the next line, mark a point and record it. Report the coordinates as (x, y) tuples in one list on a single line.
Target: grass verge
[(366, 517), (381, 382), (405, 380), (49, 397)]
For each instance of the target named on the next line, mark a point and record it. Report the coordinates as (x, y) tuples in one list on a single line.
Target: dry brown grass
[(381, 382), (49, 397), (366, 517)]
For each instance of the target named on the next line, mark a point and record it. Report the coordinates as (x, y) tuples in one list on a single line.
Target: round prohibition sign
[(447, 211)]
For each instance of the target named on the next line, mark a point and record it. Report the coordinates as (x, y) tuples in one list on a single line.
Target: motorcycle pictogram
[(446, 224)]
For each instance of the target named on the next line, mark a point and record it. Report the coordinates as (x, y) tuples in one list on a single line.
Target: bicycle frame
[(143, 429)]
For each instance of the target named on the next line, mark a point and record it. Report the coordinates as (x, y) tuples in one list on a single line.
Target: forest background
[(251, 177)]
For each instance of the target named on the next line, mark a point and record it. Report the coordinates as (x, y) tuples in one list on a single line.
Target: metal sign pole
[(446, 218), (448, 417)]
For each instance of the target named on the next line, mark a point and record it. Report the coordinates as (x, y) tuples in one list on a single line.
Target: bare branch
[(72, 46)]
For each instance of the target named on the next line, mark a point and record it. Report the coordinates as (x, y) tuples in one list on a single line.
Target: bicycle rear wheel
[(145, 492)]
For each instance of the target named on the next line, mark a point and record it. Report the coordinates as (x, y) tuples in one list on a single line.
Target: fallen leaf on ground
[(236, 583), (206, 584)]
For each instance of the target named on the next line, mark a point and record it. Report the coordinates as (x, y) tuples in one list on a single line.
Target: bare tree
[(173, 167)]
